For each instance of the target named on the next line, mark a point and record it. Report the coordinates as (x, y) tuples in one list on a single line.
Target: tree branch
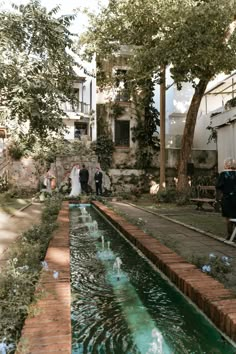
[(230, 30)]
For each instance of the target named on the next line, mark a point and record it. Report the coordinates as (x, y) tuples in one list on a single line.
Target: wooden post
[(162, 129)]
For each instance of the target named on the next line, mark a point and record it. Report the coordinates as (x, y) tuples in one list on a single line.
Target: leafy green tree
[(36, 70), (195, 37)]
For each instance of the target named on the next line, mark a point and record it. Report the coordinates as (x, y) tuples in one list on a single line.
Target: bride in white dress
[(75, 183)]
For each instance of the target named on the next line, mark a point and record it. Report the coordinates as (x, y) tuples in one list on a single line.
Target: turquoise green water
[(131, 310)]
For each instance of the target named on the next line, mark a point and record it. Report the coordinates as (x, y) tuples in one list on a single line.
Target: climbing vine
[(213, 131), (104, 148), (117, 110), (147, 118)]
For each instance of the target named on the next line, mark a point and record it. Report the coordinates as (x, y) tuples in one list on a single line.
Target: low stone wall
[(24, 174), (126, 179)]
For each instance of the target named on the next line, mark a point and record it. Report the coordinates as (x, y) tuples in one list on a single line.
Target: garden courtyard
[(196, 236), (110, 131)]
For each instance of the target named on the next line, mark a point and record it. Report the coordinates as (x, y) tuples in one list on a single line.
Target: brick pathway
[(48, 330)]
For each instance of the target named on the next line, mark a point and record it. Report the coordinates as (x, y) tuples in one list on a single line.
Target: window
[(80, 129), (122, 132), (122, 94), (91, 95), (75, 102)]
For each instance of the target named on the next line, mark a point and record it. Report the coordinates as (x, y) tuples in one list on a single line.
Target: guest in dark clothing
[(226, 184), (84, 177), (98, 181)]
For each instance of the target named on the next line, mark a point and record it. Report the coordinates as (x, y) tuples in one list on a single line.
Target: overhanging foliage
[(36, 69), (196, 38)]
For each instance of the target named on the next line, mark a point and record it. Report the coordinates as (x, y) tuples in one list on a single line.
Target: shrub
[(166, 196), (21, 272), (16, 292), (104, 148), (216, 266), (136, 191), (16, 150)]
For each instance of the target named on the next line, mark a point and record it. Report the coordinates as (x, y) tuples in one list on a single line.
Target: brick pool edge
[(210, 296), (48, 330)]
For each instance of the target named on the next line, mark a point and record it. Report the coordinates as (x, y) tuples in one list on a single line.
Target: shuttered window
[(122, 132)]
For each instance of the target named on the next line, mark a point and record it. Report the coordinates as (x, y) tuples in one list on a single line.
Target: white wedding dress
[(75, 183)]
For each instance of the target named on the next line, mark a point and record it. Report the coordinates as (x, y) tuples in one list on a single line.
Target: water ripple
[(109, 316)]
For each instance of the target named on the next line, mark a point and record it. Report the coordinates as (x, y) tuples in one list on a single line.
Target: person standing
[(84, 177), (226, 184), (75, 182), (98, 181), (47, 181)]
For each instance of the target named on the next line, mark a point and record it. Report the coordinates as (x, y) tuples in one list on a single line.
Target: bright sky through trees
[(67, 8)]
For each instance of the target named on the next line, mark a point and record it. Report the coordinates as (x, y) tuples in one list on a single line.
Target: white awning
[(225, 87)]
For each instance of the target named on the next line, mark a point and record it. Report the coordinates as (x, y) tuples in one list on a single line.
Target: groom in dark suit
[(98, 181), (84, 177)]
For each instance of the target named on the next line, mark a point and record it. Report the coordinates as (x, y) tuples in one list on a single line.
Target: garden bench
[(206, 194)]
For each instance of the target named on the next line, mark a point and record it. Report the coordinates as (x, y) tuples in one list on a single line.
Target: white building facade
[(81, 116), (177, 104)]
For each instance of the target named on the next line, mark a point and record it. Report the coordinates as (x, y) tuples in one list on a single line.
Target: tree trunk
[(188, 135), (162, 130)]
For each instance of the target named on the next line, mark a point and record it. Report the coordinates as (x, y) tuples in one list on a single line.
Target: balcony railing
[(122, 95), (78, 107)]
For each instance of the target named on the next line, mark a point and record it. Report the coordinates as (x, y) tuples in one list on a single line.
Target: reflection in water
[(121, 305)]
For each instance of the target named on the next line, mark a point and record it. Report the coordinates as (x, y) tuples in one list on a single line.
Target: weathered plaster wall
[(23, 174), (64, 164)]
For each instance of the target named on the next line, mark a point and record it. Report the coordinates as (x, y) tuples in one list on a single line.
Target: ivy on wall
[(104, 148), (117, 110), (104, 145), (147, 118), (103, 126), (145, 114)]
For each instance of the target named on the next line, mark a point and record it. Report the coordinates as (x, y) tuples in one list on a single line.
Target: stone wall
[(125, 179), (23, 175), (63, 166), (202, 159)]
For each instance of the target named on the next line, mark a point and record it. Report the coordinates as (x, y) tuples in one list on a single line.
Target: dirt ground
[(12, 226)]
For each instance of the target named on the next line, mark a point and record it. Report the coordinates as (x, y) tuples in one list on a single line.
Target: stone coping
[(210, 296), (48, 328)]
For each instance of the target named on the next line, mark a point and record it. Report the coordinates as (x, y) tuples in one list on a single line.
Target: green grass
[(206, 220), (209, 222)]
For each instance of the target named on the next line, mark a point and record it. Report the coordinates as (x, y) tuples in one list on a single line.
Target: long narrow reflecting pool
[(121, 304)]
